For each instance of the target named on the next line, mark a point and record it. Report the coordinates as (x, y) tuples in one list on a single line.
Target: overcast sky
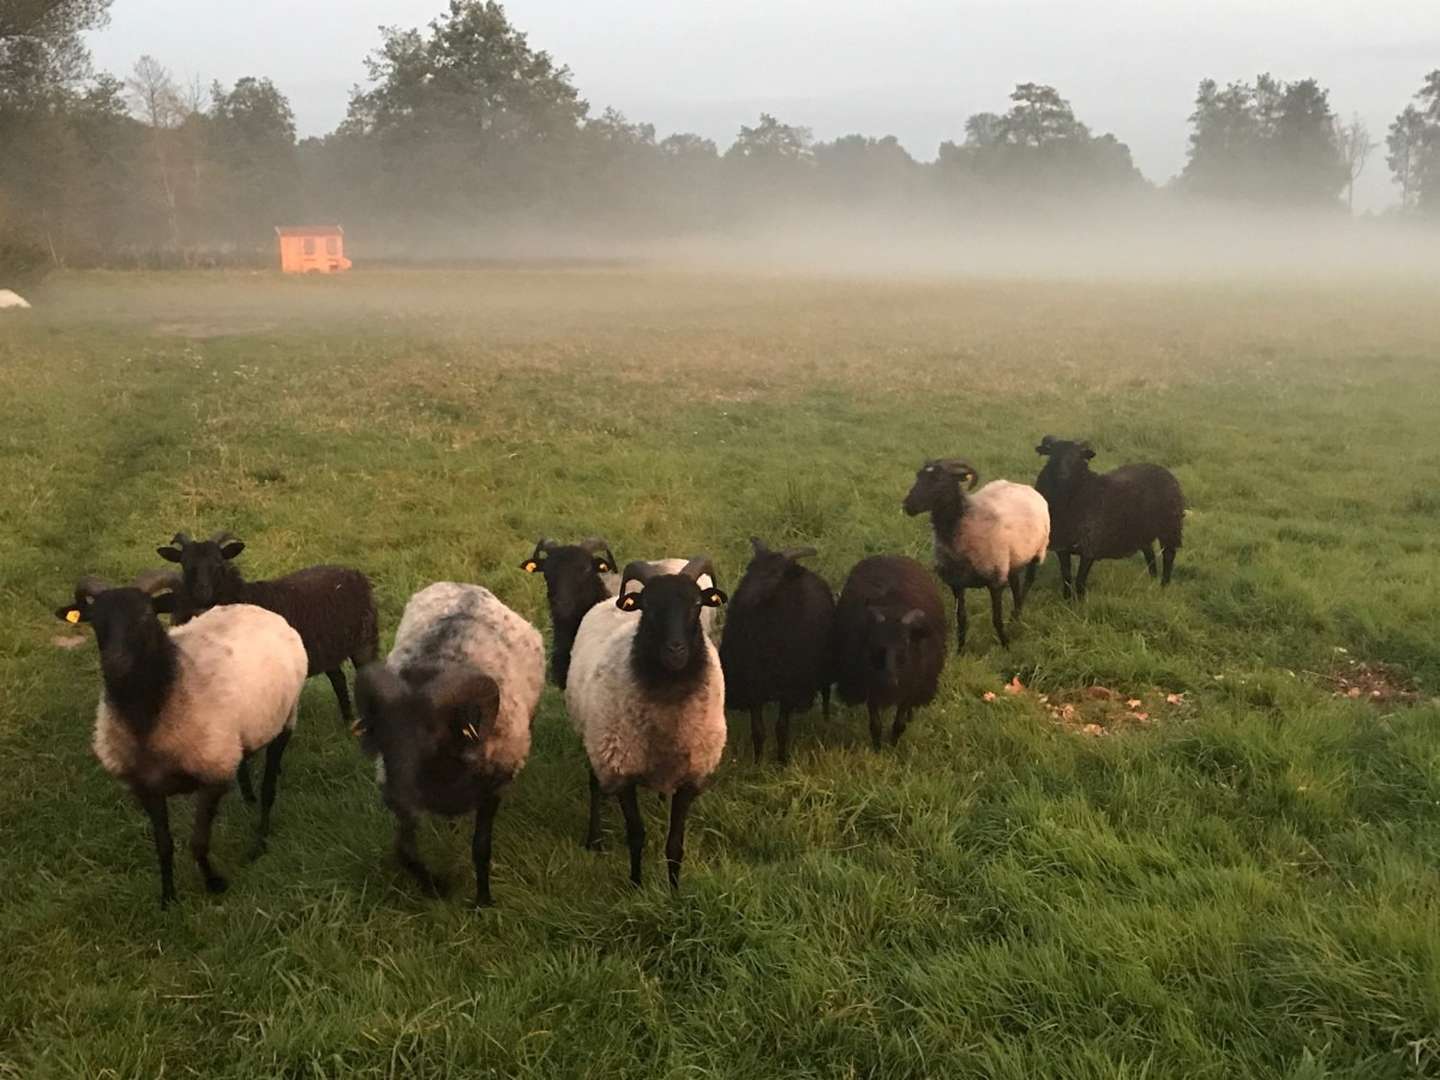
[(911, 68)]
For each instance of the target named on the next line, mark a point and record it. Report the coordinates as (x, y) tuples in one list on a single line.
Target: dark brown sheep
[(1107, 515), (889, 639)]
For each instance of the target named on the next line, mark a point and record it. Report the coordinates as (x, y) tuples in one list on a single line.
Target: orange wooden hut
[(312, 249)]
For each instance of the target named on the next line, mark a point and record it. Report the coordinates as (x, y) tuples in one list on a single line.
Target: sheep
[(776, 645), (182, 708), (577, 577), (646, 696), (981, 540), (1107, 515), (889, 640), (449, 714), (332, 607)]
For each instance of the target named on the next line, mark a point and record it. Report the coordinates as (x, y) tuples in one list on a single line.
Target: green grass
[(1248, 887)]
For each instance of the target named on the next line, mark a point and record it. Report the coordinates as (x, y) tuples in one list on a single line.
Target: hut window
[(309, 245), (332, 246)]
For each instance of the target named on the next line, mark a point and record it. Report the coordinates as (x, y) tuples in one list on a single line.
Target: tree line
[(464, 124)]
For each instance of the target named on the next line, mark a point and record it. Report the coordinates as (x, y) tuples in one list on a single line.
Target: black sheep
[(777, 641), (1107, 515), (889, 639), (573, 585), (332, 608)]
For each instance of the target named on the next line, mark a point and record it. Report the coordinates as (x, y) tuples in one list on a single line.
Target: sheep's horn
[(800, 553), (697, 566), (640, 571), (151, 582), (758, 546), (222, 536), (961, 468), (181, 538), (1047, 443), (543, 545), (598, 545)]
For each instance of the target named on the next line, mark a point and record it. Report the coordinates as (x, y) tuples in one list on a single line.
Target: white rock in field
[(10, 299)]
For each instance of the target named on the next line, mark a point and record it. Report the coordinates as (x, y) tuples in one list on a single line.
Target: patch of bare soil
[(1369, 680), (1099, 710)]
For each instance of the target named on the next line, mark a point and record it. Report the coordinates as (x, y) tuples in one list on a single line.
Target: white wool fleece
[(1005, 527), (237, 687)]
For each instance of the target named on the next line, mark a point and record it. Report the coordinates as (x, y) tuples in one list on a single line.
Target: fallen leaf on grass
[(1015, 686), (1093, 729), (1175, 699), (1101, 693), (989, 695), (1133, 703)]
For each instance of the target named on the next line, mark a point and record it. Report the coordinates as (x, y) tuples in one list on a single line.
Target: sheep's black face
[(670, 621), (204, 566), (123, 620), (890, 639), (572, 581), (762, 577), (1068, 462)]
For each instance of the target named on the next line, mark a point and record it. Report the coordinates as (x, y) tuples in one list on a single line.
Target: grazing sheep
[(449, 715), (1107, 515), (889, 639), (982, 540), (577, 577), (332, 607), (181, 709), (647, 697), (776, 645), (10, 299)]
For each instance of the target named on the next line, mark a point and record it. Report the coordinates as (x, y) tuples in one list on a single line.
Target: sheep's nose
[(675, 656)]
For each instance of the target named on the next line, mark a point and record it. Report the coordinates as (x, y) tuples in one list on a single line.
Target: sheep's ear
[(603, 565), (712, 597), (163, 603), (1047, 443), (72, 613), (232, 548), (1086, 452), (630, 601), (168, 553)]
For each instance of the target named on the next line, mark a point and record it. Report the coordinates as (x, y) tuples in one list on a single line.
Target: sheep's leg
[(407, 851), (1082, 578), (997, 613), (273, 753), (1030, 572), (757, 730), (159, 813), (342, 695), (1017, 593), (592, 830), (634, 830), (874, 725), (961, 620), (207, 804), (242, 777), (1067, 588), (480, 846), (1149, 552), (1168, 554), (902, 720), (675, 841), (782, 736)]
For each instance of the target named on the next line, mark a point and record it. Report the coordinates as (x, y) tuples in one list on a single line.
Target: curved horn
[(800, 553), (598, 545), (640, 571), (181, 538), (151, 582), (543, 545), (758, 546), (223, 536), (960, 468), (698, 565)]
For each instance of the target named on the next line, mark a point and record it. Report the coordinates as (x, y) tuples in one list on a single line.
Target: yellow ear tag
[(357, 728), (604, 568), (530, 566), (73, 615)]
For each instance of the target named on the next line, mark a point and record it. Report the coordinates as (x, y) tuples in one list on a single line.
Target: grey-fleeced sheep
[(889, 640), (449, 715), (646, 694), (331, 607), (1107, 515), (181, 709), (983, 540), (776, 646), (577, 577)]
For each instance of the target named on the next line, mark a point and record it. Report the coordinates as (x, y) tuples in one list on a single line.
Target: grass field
[(1245, 885)]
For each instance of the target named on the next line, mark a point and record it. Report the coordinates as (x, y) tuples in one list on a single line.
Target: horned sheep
[(982, 540), (646, 695)]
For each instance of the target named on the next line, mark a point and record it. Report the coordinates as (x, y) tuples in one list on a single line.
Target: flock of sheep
[(448, 714)]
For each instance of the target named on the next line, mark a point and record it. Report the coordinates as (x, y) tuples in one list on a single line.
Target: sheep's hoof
[(483, 902)]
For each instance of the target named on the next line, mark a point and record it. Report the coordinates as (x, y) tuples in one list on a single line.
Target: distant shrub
[(22, 261)]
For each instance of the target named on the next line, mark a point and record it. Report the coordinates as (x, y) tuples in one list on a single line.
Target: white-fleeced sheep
[(181, 709), (647, 696), (982, 540), (449, 715)]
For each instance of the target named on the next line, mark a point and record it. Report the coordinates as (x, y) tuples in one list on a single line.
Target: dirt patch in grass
[(1099, 710), (1370, 680)]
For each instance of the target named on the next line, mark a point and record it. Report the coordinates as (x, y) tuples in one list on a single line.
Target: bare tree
[(1355, 144)]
